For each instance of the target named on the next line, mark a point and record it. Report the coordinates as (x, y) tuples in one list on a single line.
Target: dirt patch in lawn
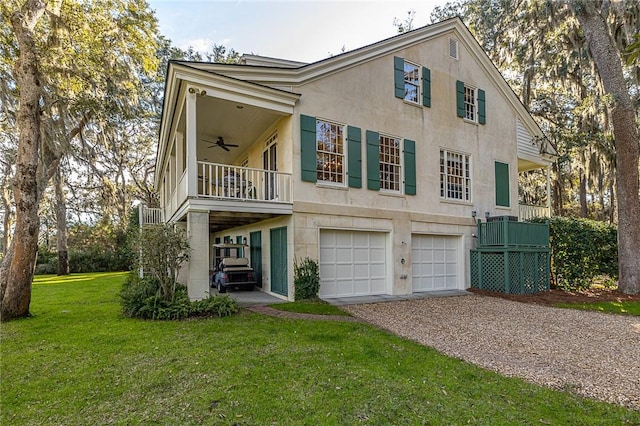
[(552, 297)]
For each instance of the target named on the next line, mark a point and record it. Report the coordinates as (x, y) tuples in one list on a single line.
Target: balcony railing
[(507, 233), (531, 212), (242, 183), (150, 216)]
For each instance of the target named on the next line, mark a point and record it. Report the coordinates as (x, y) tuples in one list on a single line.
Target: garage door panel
[(343, 253), (360, 254), (328, 255), (358, 259), (378, 286), (377, 271), (435, 262), (344, 271), (378, 255), (361, 271), (451, 256)]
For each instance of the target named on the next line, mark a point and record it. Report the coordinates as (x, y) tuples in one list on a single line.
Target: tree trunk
[(556, 199), (7, 218), (61, 225), (583, 197), (16, 274), (609, 65)]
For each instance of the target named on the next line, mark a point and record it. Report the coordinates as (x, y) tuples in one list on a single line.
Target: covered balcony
[(225, 148), (535, 157)]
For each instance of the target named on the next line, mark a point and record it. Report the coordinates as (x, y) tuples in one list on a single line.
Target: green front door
[(255, 253), (279, 261)]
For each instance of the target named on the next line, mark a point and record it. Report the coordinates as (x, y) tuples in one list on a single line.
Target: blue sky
[(298, 30)]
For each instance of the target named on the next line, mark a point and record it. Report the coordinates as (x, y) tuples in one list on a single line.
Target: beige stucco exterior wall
[(363, 96)]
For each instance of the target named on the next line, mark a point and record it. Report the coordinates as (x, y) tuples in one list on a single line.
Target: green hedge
[(582, 250), (87, 260)]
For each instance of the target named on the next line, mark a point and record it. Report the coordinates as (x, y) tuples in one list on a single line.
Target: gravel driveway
[(596, 355)]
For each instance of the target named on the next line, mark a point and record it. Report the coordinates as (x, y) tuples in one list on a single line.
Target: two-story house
[(374, 162)]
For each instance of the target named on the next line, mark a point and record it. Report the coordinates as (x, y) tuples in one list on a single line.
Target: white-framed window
[(470, 103), (455, 176), (411, 82), (330, 152), (453, 48), (390, 163)]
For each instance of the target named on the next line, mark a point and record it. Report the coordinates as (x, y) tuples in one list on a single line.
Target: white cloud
[(198, 44)]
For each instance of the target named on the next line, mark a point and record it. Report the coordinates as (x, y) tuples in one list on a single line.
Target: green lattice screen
[(527, 271)]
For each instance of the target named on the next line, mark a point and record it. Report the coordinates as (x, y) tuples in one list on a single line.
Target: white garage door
[(352, 263), (434, 262)]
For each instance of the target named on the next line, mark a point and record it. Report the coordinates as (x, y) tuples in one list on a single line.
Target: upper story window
[(330, 152), (390, 166), (455, 176), (411, 82), (470, 103)]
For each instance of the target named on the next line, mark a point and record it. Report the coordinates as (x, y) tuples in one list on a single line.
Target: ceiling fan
[(220, 142)]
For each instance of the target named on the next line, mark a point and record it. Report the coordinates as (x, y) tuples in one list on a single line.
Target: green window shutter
[(426, 87), (409, 167), (482, 117), (354, 152), (398, 76), (240, 252), (460, 98), (502, 184), (373, 160), (308, 148)]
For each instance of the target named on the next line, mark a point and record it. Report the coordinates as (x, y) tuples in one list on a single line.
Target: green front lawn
[(316, 307), (626, 307), (78, 361)]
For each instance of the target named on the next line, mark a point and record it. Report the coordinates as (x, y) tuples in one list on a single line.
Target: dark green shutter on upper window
[(502, 184), (409, 167), (308, 148), (373, 160), (482, 116), (398, 76), (354, 155), (460, 98), (426, 87)]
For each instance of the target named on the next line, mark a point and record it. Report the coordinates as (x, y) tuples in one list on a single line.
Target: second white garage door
[(352, 263), (435, 262)]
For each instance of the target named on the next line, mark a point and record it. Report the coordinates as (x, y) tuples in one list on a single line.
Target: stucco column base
[(198, 232)]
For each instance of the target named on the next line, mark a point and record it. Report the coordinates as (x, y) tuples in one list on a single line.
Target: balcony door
[(270, 164)]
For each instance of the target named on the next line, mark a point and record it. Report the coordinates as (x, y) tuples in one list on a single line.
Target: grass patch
[(78, 361), (317, 307), (627, 307)]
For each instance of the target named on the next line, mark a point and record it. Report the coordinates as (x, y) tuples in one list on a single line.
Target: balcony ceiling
[(237, 123), (220, 220)]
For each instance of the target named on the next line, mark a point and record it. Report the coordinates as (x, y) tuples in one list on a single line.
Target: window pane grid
[(390, 163), (329, 152), (470, 103), (455, 176), (411, 82)]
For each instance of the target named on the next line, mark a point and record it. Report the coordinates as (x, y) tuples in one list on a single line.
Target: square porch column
[(191, 135), (198, 232)]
